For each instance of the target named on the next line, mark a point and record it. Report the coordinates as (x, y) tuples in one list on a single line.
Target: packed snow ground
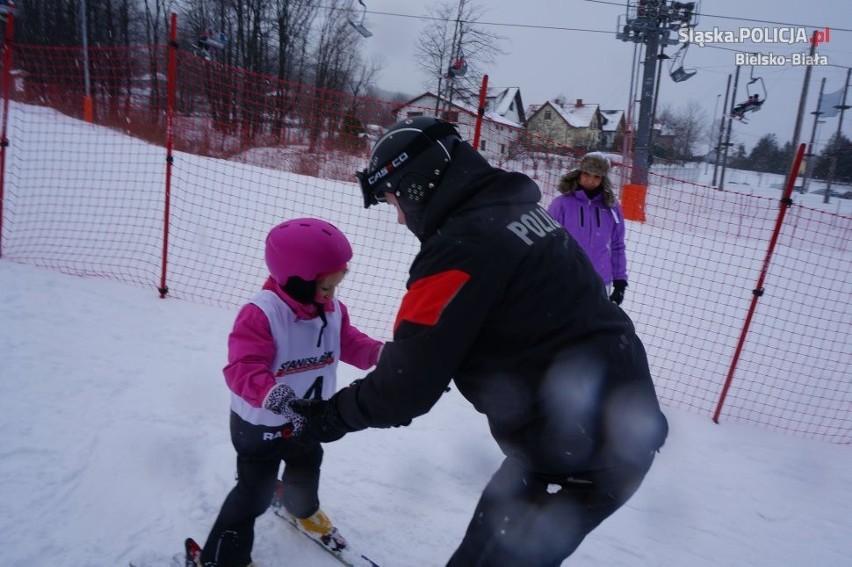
[(114, 420)]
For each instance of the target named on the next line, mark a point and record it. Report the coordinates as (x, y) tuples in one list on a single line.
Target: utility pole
[(88, 113), (642, 151), (810, 153), (803, 98), (660, 58), (833, 166), (721, 132), (627, 143), (728, 133), (455, 51), (650, 22)]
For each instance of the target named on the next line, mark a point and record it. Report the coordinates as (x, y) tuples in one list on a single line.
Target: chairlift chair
[(458, 68), (213, 40), (359, 24), (210, 43), (676, 70), (756, 91), (760, 90)]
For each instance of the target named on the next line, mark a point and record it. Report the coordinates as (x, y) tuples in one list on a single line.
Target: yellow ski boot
[(319, 527)]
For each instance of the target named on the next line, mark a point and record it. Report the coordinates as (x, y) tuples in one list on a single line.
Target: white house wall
[(497, 138)]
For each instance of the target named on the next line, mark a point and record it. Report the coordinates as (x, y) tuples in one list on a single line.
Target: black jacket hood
[(471, 182)]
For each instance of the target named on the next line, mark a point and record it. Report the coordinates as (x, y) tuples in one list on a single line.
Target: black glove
[(321, 418), (618, 287)]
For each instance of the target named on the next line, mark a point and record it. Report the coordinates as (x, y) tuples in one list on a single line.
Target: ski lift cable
[(736, 18), (570, 29), (583, 30), (481, 23), (562, 28), (586, 30)]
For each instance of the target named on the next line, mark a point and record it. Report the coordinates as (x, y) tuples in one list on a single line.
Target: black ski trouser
[(260, 451), (526, 519)]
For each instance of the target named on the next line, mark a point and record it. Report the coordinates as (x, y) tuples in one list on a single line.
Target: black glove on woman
[(618, 287)]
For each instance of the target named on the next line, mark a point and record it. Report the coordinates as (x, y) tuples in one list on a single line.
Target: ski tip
[(370, 561), (193, 552)]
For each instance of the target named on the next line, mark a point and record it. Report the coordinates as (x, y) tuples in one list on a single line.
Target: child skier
[(285, 343)]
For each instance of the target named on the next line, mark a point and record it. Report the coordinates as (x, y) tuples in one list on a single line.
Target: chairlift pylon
[(359, 24), (676, 70)]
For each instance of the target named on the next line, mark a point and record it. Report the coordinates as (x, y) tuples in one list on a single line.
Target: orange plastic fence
[(633, 202)]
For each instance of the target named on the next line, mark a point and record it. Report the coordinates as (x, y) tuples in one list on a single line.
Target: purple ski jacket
[(597, 228)]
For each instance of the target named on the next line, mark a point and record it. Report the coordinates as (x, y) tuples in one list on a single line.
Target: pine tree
[(838, 148)]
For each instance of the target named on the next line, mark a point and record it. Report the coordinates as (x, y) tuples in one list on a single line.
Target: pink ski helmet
[(307, 248)]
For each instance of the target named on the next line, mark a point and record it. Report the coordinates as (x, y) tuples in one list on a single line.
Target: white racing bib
[(306, 356)]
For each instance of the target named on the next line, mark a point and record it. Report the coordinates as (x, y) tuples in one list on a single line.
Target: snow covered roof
[(662, 128), (612, 118), (459, 104), (508, 109), (500, 100), (576, 115)]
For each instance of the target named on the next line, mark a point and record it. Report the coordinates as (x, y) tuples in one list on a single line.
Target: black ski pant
[(260, 451), (527, 519)]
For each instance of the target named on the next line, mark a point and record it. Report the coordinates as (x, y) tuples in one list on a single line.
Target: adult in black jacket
[(502, 301)]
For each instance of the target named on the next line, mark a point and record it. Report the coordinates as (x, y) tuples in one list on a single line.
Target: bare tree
[(452, 34), (336, 63), (335, 56), (156, 23), (156, 32), (687, 126), (293, 19)]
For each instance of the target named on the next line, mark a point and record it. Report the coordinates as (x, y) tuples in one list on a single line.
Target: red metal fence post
[(758, 291), (4, 141), (480, 112), (170, 113)]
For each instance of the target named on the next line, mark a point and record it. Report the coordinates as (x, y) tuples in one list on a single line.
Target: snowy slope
[(114, 420)]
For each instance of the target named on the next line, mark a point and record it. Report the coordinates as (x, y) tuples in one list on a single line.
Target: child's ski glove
[(278, 399)]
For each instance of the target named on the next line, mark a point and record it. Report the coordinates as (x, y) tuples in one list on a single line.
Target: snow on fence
[(182, 169)]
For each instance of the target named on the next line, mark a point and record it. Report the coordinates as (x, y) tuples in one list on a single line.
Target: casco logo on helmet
[(395, 163)]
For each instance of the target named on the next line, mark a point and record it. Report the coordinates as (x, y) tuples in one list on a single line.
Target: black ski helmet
[(409, 161)]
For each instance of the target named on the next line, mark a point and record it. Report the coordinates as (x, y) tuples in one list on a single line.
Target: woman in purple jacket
[(590, 212)]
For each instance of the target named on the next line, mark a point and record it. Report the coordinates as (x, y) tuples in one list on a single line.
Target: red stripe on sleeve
[(427, 297)]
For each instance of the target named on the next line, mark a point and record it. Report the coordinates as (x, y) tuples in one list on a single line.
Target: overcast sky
[(568, 47)]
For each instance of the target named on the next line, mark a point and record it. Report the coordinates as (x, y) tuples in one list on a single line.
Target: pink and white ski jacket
[(277, 340)]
